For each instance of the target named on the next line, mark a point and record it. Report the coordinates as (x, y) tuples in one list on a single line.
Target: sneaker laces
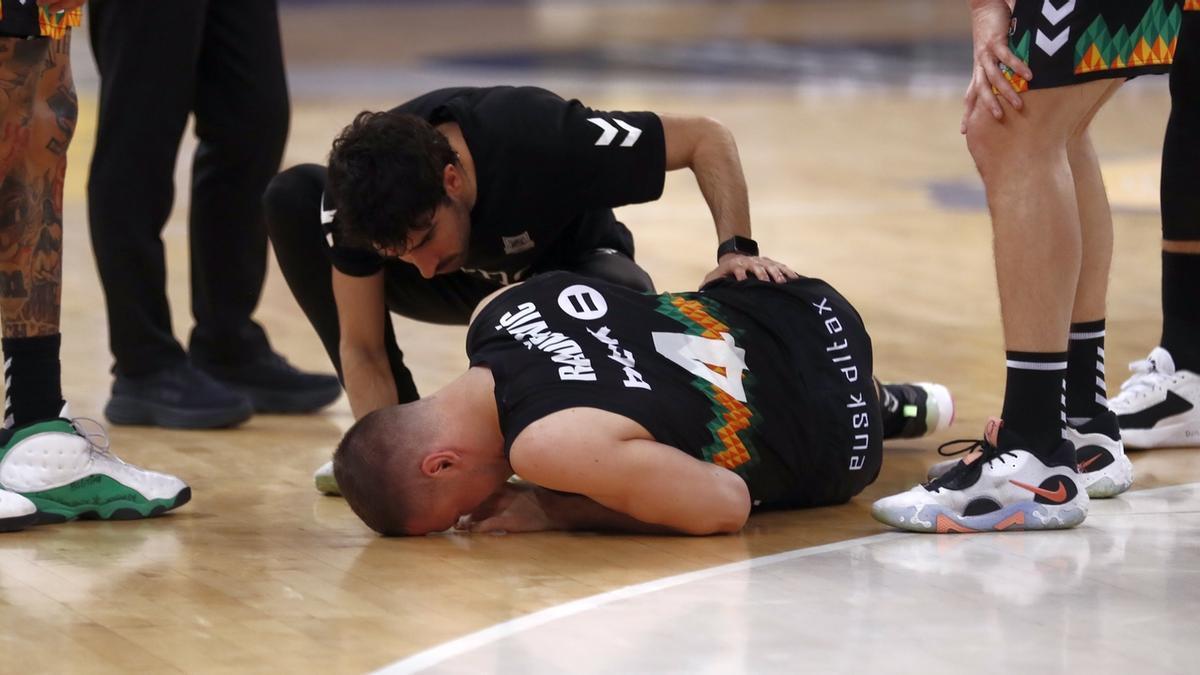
[(971, 444), (989, 452), (94, 433), (1145, 379)]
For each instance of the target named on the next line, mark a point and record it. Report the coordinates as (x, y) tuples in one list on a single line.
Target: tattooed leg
[(38, 127)]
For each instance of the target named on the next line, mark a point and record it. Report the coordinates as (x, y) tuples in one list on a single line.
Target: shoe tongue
[(1162, 361), (991, 432)]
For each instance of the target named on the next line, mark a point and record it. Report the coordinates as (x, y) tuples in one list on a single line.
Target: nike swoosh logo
[(1084, 465), (1058, 496)]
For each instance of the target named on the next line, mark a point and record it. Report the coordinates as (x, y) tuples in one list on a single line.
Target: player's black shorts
[(1086, 40), (830, 393), (30, 21)]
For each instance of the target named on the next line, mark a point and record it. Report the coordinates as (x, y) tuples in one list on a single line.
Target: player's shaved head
[(378, 468)]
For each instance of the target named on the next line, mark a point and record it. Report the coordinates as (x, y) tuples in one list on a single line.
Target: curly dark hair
[(385, 177)]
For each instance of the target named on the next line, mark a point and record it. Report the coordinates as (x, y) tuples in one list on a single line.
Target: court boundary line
[(445, 651), (458, 646)]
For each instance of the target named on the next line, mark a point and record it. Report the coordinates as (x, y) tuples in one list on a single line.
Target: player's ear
[(440, 463), (452, 179)]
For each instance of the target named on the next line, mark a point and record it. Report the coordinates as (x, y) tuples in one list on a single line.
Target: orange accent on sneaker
[(1084, 465), (945, 525), (1014, 520), (1058, 496)]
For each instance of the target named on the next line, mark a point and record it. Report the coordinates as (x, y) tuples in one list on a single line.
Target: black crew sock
[(1033, 406), (1181, 309), (32, 379), (1087, 395)]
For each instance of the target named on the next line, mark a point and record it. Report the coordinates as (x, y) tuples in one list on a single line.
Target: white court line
[(457, 647), (448, 650)]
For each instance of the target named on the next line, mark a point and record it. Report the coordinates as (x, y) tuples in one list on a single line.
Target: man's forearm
[(577, 512), (718, 170), (369, 382)]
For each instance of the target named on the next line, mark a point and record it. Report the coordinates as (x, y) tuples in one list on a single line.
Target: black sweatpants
[(160, 60), (292, 204)]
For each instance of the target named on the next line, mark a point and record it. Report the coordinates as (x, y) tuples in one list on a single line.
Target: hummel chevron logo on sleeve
[(610, 132)]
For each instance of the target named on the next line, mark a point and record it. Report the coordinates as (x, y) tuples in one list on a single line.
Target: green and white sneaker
[(16, 512), (68, 473), (324, 480)]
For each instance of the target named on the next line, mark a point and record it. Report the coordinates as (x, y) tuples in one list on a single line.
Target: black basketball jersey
[(548, 173), (738, 375)]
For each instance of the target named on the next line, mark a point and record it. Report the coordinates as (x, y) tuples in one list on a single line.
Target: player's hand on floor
[(741, 267), (989, 32), (60, 5), (513, 508)]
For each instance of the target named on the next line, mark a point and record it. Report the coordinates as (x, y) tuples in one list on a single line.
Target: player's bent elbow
[(733, 512)]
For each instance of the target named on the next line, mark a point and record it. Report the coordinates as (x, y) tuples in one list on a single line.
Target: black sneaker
[(915, 410), (179, 397), (275, 386)]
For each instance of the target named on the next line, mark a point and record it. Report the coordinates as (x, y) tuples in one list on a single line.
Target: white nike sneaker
[(1000, 485), (16, 512), (1104, 468), (1158, 406), (324, 480)]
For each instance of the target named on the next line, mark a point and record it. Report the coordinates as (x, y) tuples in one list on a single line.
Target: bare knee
[(990, 142)]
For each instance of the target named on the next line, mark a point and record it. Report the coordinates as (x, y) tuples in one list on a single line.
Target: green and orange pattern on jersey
[(1152, 41), (731, 448)]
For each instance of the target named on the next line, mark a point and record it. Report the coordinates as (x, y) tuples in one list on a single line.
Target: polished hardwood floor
[(867, 186)]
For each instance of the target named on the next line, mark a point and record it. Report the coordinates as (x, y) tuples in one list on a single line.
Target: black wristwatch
[(739, 245)]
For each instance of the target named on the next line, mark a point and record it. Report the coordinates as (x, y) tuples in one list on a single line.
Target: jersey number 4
[(720, 362)]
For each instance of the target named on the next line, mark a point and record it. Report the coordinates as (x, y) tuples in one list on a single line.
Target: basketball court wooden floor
[(860, 179)]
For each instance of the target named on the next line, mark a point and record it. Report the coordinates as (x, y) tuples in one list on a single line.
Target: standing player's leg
[(45, 455), (146, 53), (1159, 405), (241, 111), (1024, 475), (1105, 470), (30, 361)]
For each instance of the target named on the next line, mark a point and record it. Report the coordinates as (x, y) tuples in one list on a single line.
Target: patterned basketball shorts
[(26, 20), (1083, 40)]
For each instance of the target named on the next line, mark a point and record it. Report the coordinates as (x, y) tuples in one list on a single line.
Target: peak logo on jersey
[(518, 244), (582, 302), (611, 132)]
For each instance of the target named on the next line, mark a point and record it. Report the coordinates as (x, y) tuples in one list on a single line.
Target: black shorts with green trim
[(1069, 42)]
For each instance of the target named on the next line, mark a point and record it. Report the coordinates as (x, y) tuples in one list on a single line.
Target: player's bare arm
[(521, 506), (366, 372), (708, 148), (619, 466)]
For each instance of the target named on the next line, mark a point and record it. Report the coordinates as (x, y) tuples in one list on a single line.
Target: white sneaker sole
[(1180, 434), (1110, 481), (324, 481), (1024, 515)]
